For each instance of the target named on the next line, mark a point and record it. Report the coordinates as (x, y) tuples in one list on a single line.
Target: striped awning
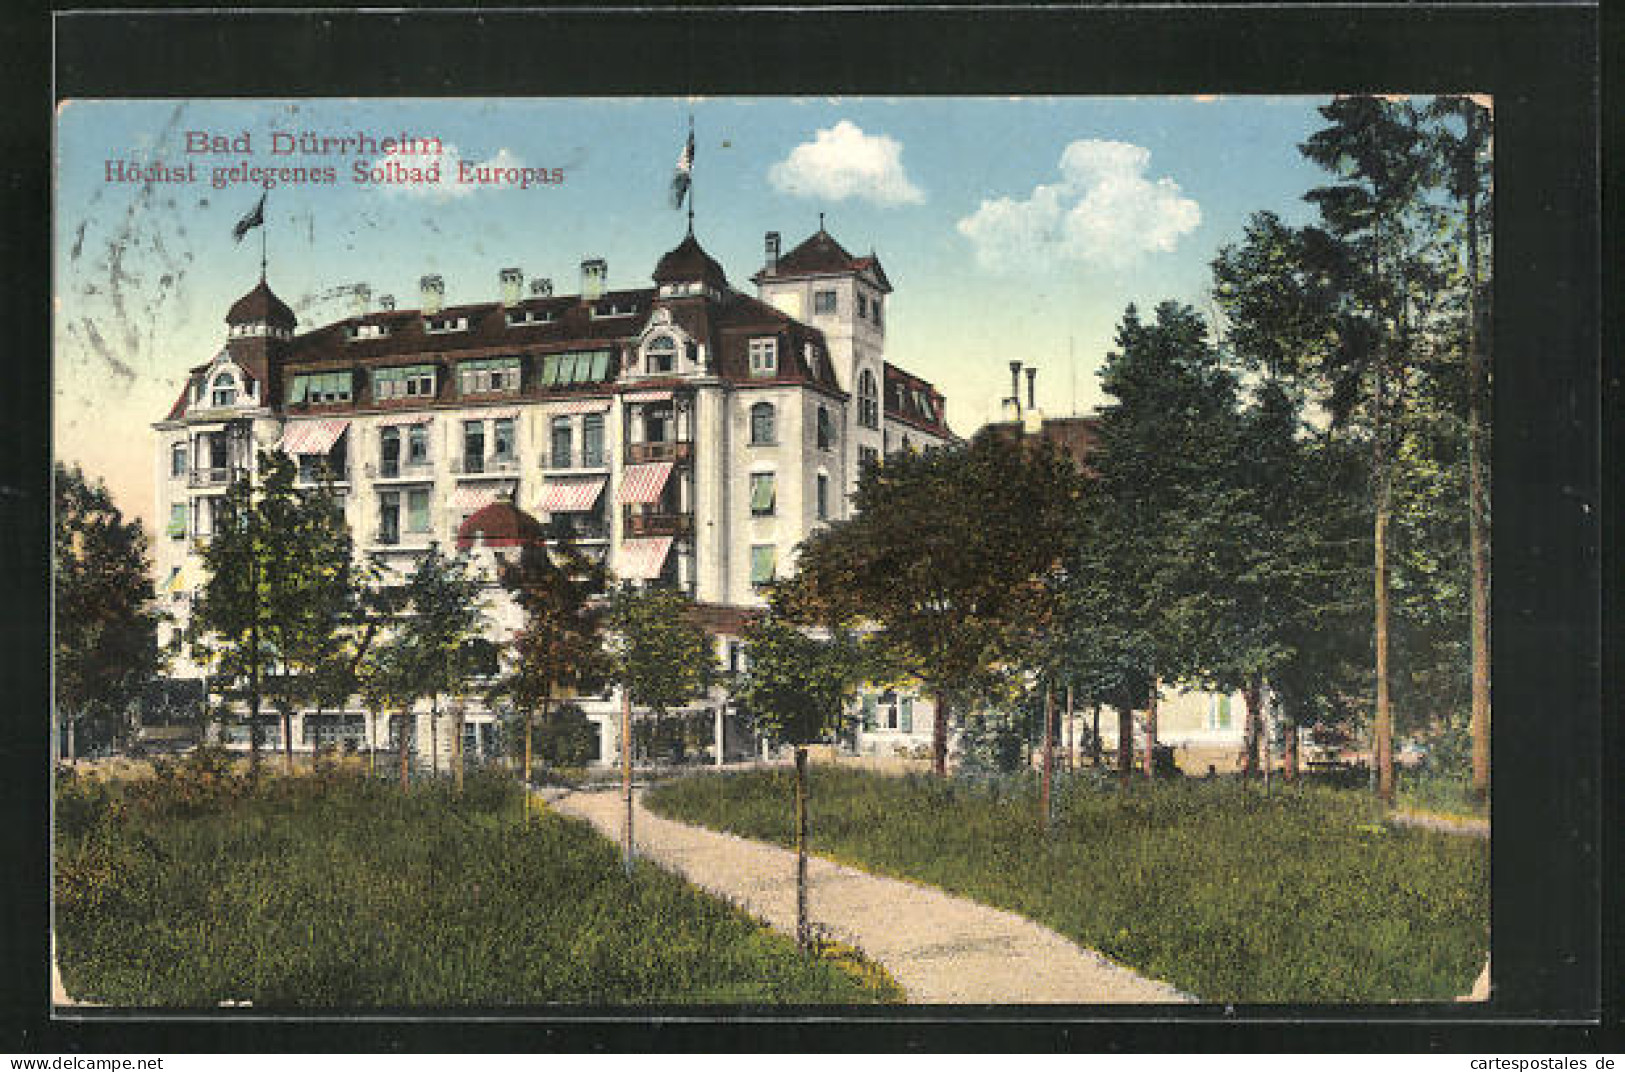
[(647, 396), (312, 437), (579, 405), (400, 419), (643, 483), (570, 495), (472, 497), (643, 559)]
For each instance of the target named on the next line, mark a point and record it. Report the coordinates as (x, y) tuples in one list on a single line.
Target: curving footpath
[(941, 949)]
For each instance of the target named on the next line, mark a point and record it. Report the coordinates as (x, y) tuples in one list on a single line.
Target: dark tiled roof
[(502, 524), (1075, 436), (914, 401), (822, 255), (690, 263), (260, 305)]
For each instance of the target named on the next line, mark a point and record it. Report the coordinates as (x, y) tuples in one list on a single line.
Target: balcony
[(637, 453), (575, 461), (398, 470), (495, 465), (578, 528), (652, 523), (313, 476), (210, 476), (395, 537)]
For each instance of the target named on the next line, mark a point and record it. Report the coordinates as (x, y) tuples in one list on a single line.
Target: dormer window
[(360, 332), (488, 375), (613, 308), (413, 381), (318, 388), (661, 352), (223, 392), (764, 357), (440, 325), (518, 318)]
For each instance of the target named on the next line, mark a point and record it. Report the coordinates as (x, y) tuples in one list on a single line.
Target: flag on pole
[(255, 218), (681, 179)]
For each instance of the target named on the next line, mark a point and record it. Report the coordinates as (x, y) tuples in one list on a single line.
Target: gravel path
[(1479, 828), (939, 948)]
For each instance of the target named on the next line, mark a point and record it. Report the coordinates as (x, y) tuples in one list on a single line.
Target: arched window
[(763, 420), (868, 400), (224, 390), (826, 429), (662, 354)]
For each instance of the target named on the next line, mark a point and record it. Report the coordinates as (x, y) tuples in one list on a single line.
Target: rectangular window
[(561, 443), (592, 440), (763, 559), (824, 303), (389, 452), (412, 381), (319, 388), (863, 307), (823, 496), (869, 711), (905, 715), (488, 375), (762, 494), (874, 309), (1222, 713), (502, 438), (473, 446), (389, 517), (867, 456), (575, 366), (764, 357), (417, 444), (177, 521), (177, 460), (417, 510)]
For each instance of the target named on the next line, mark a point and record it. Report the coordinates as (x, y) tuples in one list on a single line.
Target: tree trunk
[(403, 747), (1478, 496), (803, 929), (1094, 737), (524, 773), (372, 742), (939, 737), (1251, 693), (1383, 731), (1071, 733), (434, 735), (1151, 731), (1049, 761), (626, 778), (1125, 744), (287, 740), (1290, 757), (458, 719)]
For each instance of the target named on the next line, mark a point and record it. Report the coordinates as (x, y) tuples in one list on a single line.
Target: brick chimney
[(433, 288), (594, 274), (513, 284)]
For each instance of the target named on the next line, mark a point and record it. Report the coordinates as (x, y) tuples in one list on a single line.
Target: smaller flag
[(255, 218), (684, 175)]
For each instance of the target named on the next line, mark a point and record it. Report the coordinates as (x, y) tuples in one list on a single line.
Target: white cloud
[(439, 178), (1102, 211), (844, 162)]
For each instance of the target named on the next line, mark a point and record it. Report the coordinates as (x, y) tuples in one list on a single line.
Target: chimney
[(433, 288), (541, 288), (513, 284), (772, 251), (593, 274), (1032, 401), (1015, 386), (387, 303), (361, 299)]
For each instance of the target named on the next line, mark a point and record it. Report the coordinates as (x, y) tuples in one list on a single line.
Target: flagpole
[(691, 175), (263, 228)]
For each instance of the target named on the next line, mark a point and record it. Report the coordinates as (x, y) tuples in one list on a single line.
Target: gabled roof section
[(743, 318), (261, 306), (915, 402), (823, 255)]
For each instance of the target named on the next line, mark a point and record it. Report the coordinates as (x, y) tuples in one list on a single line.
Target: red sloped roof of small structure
[(501, 524)]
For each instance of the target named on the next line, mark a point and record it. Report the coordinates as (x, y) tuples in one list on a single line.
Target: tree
[(946, 559), (560, 647), (105, 636), (661, 658), (797, 688), (280, 590), (442, 616)]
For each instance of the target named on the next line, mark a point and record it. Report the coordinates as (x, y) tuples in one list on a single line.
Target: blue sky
[(1011, 228)]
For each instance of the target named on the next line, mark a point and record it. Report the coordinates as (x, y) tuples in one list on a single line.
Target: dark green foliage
[(342, 892), (1231, 894), (568, 738), (796, 685), (105, 624)]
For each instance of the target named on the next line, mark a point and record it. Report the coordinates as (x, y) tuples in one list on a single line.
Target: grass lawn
[(1229, 894), (341, 891)]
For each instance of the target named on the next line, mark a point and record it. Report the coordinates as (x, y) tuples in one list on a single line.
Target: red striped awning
[(402, 419), (472, 497), (643, 483), (647, 396), (579, 405), (571, 495), (312, 437), (642, 559)]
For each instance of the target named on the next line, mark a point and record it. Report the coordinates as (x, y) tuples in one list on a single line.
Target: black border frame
[(1539, 60)]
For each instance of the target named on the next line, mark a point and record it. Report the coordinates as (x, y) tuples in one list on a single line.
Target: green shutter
[(600, 366), (762, 561), (761, 493), (868, 711), (905, 717), (177, 520), (1224, 712), (417, 507), (550, 369), (297, 389)]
